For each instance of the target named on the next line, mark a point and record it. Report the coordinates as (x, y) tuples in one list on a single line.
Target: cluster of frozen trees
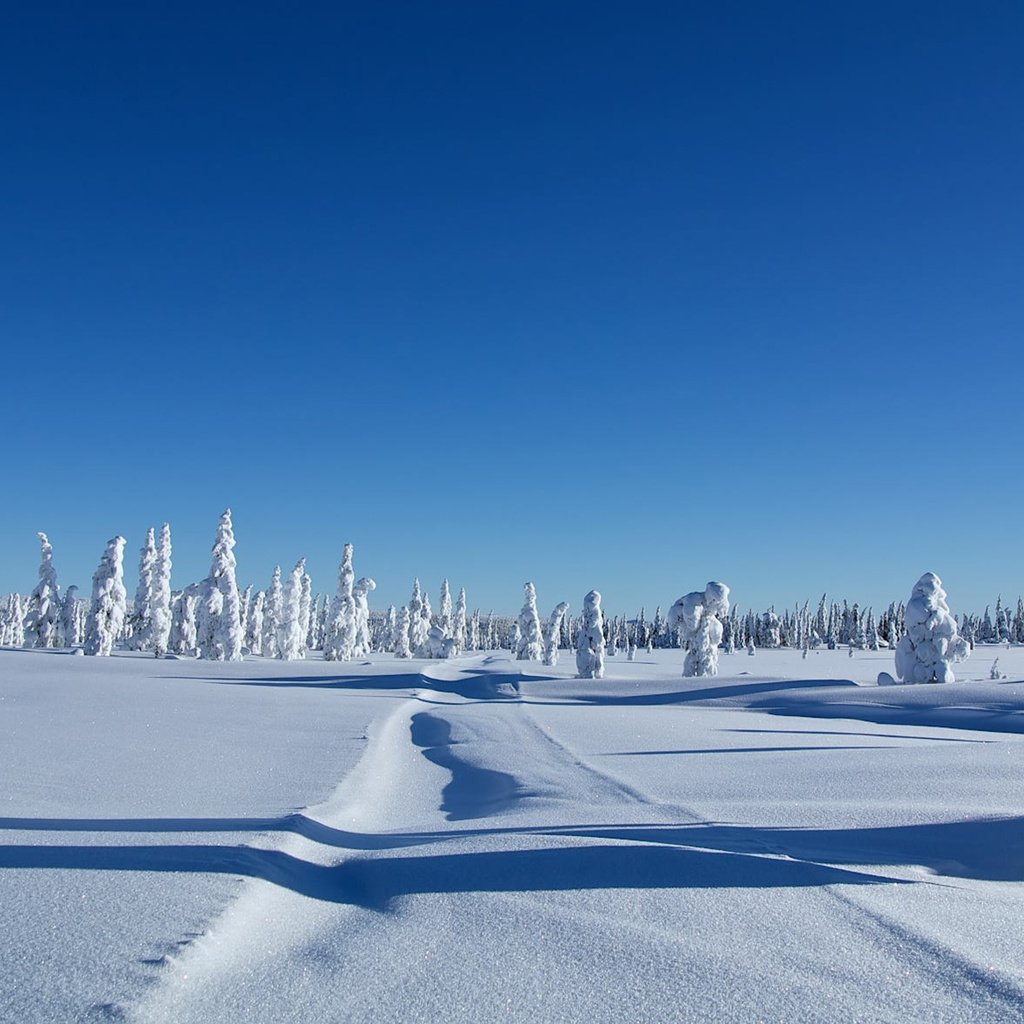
[(215, 619)]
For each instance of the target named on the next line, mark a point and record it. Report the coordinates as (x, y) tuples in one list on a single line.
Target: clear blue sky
[(624, 295)]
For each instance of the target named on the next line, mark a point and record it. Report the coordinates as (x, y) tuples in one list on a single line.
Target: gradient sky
[(625, 296)]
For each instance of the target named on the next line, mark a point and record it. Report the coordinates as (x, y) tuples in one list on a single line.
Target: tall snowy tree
[(361, 596), (272, 614), (160, 597), (552, 632), (400, 638), (590, 639), (531, 640), (254, 627), (305, 608), (141, 606), (290, 635), (444, 609), (220, 637), (70, 620), (109, 600), (340, 642), (459, 622), (419, 623), (42, 617)]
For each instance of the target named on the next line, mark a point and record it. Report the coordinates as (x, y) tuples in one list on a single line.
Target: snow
[(482, 839)]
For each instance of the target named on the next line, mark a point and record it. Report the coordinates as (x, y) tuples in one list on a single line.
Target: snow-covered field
[(482, 840)]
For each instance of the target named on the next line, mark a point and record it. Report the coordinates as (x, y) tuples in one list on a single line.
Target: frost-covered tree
[(42, 616), (360, 595), (290, 635), (514, 637), (459, 623), (444, 609), (109, 601), (340, 641), (254, 627), (220, 628), (552, 632), (419, 623), (142, 605), (305, 608), (400, 638), (590, 639), (70, 619), (698, 618), (530, 646), (184, 624), (473, 639), (926, 653), (272, 614), (12, 629), (160, 596)]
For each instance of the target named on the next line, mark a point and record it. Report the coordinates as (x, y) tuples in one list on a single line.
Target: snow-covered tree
[(697, 616), (160, 596), (552, 632), (305, 609), (531, 641), (340, 641), (272, 614), (400, 638), (254, 627), (926, 653), (220, 629), (590, 639), (444, 609), (70, 619), (12, 628), (42, 616), (473, 640), (459, 624), (290, 635), (360, 595), (184, 615), (419, 624), (142, 605), (109, 601)]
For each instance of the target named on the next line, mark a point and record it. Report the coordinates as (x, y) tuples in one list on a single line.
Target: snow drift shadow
[(1006, 718), (473, 792), (375, 882), (709, 693)]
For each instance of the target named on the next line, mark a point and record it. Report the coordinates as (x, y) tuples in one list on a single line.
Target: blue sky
[(616, 295)]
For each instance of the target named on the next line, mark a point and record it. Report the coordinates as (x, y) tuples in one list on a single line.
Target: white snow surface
[(480, 840)]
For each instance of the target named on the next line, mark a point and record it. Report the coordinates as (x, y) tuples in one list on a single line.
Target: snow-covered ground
[(483, 840)]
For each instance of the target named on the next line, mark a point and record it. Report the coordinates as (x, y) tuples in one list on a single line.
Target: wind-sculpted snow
[(420, 840)]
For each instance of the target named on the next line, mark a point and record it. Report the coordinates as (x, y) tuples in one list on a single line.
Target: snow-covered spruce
[(419, 625), (400, 638), (361, 595), (70, 619), (927, 651), (697, 616), (459, 625), (340, 641), (160, 597), (590, 639), (305, 608), (552, 632), (220, 630), (272, 614), (42, 617), (184, 626), (254, 626), (290, 637), (444, 609), (12, 628), (530, 644), (141, 606), (109, 601)]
